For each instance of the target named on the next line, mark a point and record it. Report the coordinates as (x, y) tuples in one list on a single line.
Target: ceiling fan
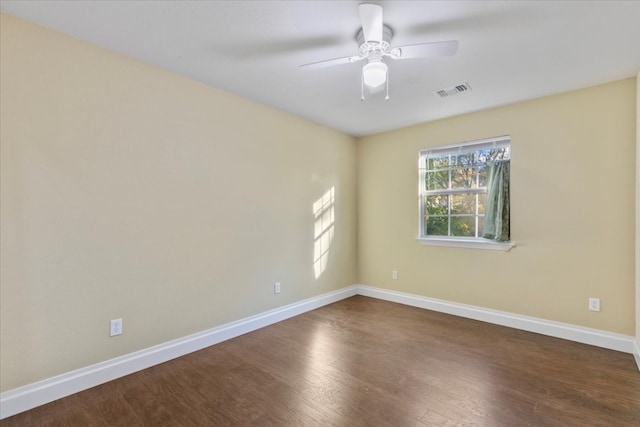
[(374, 41)]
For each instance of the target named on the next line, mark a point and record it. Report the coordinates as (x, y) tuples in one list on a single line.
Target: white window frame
[(464, 242)]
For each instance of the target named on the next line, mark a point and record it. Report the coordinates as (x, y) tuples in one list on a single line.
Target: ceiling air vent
[(453, 90)]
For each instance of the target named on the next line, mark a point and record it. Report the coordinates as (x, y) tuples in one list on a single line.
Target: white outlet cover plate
[(116, 327)]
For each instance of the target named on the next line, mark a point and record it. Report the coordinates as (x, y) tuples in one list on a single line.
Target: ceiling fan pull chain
[(361, 87), (387, 97)]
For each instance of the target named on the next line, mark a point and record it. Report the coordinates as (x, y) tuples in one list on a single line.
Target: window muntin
[(453, 187)]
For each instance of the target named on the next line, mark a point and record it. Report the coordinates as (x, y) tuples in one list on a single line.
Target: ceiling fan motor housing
[(367, 48)]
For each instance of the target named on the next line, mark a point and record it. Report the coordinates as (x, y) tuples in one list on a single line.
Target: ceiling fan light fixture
[(374, 73)]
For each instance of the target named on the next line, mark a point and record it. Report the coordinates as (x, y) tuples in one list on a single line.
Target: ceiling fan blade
[(371, 17), (425, 50), (332, 62)]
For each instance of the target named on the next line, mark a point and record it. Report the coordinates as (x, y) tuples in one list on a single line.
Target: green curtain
[(496, 217)]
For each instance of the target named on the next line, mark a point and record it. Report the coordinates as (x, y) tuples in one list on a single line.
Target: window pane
[(463, 204), (465, 159), (437, 163), (482, 176), (482, 201), (463, 226), (437, 180), (437, 205), (437, 211), (499, 154), (463, 177), (437, 226)]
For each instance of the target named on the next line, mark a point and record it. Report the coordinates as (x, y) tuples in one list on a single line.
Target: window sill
[(466, 243)]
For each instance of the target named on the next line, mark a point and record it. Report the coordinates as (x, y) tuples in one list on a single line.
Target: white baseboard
[(32, 395), (596, 337)]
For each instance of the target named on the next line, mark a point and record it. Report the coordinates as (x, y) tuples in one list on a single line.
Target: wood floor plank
[(367, 362)]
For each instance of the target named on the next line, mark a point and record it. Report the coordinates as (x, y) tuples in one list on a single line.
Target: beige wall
[(127, 191), (131, 192), (572, 207), (638, 212)]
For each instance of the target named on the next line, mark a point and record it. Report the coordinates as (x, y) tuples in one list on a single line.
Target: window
[(464, 194)]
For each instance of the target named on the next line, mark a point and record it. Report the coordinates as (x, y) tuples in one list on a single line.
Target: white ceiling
[(508, 51)]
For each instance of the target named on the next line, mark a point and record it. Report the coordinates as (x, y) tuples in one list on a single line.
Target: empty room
[(319, 213)]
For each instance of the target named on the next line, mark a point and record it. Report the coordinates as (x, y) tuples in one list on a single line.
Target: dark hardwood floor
[(366, 362)]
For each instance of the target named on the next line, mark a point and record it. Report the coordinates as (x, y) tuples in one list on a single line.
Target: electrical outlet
[(594, 304), (394, 274), (116, 327), (276, 288)]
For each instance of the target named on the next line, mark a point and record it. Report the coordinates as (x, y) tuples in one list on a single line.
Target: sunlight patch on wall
[(324, 213)]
